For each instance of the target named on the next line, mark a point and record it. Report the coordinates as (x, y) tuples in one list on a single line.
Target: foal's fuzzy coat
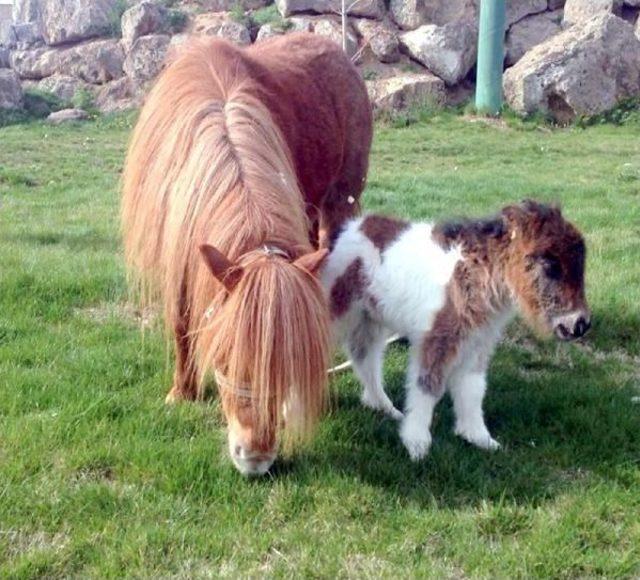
[(451, 289)]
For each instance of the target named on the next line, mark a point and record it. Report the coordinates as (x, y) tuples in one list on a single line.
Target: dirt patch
[(21, 543), (141, 317)]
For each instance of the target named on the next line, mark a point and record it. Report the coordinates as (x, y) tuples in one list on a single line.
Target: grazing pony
[(240, 160), (450, 289)]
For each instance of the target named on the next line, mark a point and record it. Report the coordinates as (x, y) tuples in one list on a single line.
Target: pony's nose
[(251, 464), (581, 327)]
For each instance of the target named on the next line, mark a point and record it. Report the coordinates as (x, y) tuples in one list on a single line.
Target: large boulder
[(66, 21), (584, 70), (449, 51), (380, 38), (269, 30), (95, 62), (221, 25), (146, 58), (576, 11), (142, 19), (120, 95), (405, 91), (365, 8), (4, 57), (530, 32), (10, 90)]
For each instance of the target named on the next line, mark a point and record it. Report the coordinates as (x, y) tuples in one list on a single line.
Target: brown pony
[(241, 160)]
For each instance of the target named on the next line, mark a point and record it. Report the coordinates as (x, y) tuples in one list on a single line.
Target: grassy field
[(99, 478)]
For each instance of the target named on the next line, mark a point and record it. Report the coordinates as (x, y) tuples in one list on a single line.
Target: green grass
[(99, 478)]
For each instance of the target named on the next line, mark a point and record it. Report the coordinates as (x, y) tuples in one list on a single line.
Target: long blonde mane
[(207, 163)]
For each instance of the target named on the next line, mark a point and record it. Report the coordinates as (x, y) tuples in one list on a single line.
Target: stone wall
[(568, 58)]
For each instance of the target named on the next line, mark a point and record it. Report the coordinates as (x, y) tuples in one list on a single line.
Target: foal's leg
[(467, 388), (366, 345), (422, 399)]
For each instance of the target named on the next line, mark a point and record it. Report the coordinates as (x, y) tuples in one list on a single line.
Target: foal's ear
[(313, 261), (223, 269)]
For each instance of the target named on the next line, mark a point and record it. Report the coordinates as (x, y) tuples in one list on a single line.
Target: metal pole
[(490, 56)]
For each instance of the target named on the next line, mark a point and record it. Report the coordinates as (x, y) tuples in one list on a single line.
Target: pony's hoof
[(172, 398), (416, 439)]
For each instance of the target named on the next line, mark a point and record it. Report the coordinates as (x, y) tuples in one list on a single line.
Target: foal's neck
[(483, 245)]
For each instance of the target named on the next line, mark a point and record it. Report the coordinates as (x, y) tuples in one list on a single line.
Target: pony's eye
[(552, 267)]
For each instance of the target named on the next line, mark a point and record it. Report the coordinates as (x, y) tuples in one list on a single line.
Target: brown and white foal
[(450, 289)]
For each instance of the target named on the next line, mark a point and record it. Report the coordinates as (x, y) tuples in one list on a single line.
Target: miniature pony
[(241, 160), (450, 289)]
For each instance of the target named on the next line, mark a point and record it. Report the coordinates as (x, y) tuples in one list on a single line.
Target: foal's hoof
[(385, 406), (480, 440), (416, 439)]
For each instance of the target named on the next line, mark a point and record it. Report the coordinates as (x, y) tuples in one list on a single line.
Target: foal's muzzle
[(572, 326)]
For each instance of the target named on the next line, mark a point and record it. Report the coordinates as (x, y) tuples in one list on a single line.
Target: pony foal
[(450, 289)]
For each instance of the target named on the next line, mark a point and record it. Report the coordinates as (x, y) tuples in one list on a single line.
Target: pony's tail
[(272, 340)]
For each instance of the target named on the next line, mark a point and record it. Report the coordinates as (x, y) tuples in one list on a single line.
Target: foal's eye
[(552, 267)]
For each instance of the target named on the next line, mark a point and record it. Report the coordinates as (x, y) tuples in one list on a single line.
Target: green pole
[(490, 56)]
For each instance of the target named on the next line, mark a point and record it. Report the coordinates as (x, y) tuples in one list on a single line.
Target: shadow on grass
[(559, 426)]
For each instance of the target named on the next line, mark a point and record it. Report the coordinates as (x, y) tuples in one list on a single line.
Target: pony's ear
[(313, 261), (223, 269)]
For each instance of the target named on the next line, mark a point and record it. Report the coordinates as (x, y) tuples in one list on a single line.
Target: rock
[(530, 32), (381, 39), (269, 30), (227, 5), (409, 14), (10, 90), (403, 91), (556, 4), (66, 115), (221, 25), (95, 62), (449, 51), (142, 19), (4, 57), (63, 87), (332, 29), (27, 35), (146, 58), (7, 34), (581, 10), (365, 8), (300, 23), (35, 64), (65, 21), (117, 95), (637, 28), (518, 9), (26, 11), (584, 70)]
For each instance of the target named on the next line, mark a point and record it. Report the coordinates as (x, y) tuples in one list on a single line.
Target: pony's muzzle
[(572, 326), (252, 464)]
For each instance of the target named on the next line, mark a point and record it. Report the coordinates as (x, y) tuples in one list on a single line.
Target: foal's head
[(269, 341), (545, 268)]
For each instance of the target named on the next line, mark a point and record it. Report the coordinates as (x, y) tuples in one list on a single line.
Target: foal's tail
[(272, 336)]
